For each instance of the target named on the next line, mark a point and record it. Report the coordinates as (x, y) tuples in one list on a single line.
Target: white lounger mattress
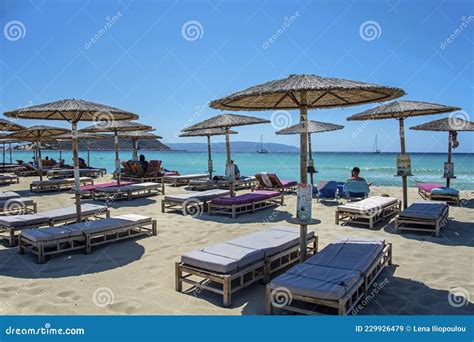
[(59, 181), (11, 203), (332, 272), (190, 176), (368, 205), (78, 229), (131, 187), (235, 254), (5, 195), (198, 195), (18, 221)]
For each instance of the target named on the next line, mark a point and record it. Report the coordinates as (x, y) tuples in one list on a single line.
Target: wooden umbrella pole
[(209, 161), (11, 157), (88, 155), (310, 153), (3, 155), (450, 141), (77, 185), (227, 148), (404, 178), (117, 158), (60, 152), (135, 150), (40, 161), (303, 167)]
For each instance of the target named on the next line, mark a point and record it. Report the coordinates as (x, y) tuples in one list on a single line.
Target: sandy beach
[(137, 276)]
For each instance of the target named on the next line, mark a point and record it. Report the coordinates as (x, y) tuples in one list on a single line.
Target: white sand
[(139, 274)]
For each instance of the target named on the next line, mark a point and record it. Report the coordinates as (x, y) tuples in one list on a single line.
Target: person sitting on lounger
[(236, 169), (143, 163), (355, 175), (82, 163)]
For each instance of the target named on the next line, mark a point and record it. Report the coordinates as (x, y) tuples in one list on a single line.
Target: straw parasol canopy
[(10, 126), (136, 136), (401, 110), (452, 125), (38, 134), (80, 135), (226, 121), (116, 127), (207, 133), (313, 127), (73, 110), (4, 140), (302, 92)]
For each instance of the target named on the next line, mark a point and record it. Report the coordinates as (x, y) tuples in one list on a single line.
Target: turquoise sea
[(376, 168)]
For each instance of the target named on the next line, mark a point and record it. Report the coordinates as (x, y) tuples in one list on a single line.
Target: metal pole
[(303, 167), (404, 178), (227, 148), (40, 162), (77, 187), (117, 158), (311, 163), (450, 141), (209, 161)]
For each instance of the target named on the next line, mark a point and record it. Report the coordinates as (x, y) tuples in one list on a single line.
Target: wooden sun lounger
[(12, 224), (9, 179), (128, 192), (333, 281), (368, 211), (246, 203), (270, 181), (262, 255), (184, 179), (191, 203), (67, 173), (423, 216), (424, 190), (58, 184), (84, 236), (17, 206), (240, 184)]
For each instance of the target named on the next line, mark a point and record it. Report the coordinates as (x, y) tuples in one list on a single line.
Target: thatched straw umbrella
[(80, 135), (116, 127), (226, 121), (73, 110), (8, 126), (4, 140), (38, 134), (135, 137), (313, 127), (452, 125), (303, 92), (400, 110), (207, 133)]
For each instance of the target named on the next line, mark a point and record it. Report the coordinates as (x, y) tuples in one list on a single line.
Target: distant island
[(106, 144), (236, 146)]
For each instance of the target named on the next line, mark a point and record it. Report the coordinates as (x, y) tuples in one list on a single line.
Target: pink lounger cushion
[(427, 187), (256, 196), (102, 185), (287, 183)]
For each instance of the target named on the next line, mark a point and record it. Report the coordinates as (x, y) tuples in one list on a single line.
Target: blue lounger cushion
[(443, 191), (427, 210)]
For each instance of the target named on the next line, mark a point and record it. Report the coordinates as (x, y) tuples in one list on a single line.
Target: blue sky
[(145, 61)]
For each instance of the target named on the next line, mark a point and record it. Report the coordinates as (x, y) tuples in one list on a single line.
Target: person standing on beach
[(143, 163)]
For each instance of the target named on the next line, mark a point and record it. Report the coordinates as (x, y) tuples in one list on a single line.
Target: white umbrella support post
[(303, 169), (77, 185)]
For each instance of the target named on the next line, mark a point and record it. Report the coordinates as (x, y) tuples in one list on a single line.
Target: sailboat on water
[(376, 149), (260, 148)]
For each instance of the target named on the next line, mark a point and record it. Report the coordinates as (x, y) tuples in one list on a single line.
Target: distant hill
[(106, 144), (236, 146)]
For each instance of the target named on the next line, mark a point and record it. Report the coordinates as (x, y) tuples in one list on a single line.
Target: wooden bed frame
[(58, 186), (368, 219), (31, 208), (180, 205), (9, 179), (422, 225), (228, 284), (183, 180), (344, 305), (235, 209), (69, 173), (11, 230), (447, 198), (99, 194), (47, 248)]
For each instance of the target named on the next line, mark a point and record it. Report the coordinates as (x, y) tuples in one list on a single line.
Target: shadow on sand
[(70, 264)]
